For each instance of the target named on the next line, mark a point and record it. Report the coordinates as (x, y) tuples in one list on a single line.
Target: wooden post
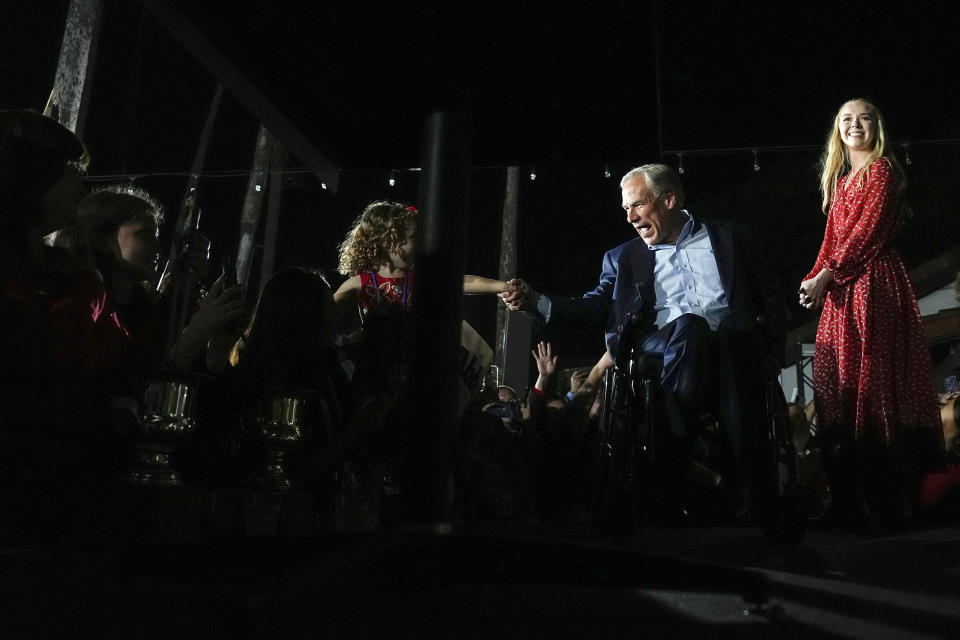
[(508, 253), (268, 264), (514, 329), (253, 203), (68, 99)]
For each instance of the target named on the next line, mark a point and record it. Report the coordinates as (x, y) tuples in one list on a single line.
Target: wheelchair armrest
[(628, 332)]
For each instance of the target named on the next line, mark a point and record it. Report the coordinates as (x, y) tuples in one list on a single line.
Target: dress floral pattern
[(386, 305), (377, 292), (871, 372)]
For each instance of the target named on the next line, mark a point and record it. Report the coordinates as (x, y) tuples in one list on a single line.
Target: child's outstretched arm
[(348, 295), (477, 284)]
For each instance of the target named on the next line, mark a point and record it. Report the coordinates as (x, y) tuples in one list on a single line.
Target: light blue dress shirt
[(686, 278)]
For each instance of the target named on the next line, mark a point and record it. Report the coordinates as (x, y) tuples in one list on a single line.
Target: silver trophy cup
[(167, 420), (279, 429)]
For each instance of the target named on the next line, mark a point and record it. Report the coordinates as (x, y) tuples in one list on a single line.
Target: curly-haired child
[(379, 253)]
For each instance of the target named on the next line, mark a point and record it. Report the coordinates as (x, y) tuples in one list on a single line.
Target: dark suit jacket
[(626, 289)]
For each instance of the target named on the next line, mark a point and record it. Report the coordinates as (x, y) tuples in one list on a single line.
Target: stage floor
[(854, 585), (508, 579)]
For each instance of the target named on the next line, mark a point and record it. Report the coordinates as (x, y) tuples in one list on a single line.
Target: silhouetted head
[(291, 326), (41, 162)]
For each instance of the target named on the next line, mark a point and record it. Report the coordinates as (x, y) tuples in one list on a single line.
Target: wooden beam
[(187, 33), (70, 94), (936, 273), (271, 231), (253, 203), (200, 157), (185, 228)]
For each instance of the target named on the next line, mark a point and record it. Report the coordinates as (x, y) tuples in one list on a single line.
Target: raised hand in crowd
[(595, 378), (577, 379), (546, 365), (217, 310)]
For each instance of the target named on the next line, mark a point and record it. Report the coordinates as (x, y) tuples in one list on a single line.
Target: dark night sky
[(568, 90)]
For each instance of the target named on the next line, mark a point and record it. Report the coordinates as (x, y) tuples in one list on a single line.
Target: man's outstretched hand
[(521, 297)]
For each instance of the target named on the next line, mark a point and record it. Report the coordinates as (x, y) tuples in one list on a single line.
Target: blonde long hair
[(381, 227), (835, 162)]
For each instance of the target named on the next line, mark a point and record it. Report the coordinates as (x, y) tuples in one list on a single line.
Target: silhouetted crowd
[(95, 327)]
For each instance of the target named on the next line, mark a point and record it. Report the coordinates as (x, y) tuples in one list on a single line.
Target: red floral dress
[(871, 369), (386, 305), (377, 292)]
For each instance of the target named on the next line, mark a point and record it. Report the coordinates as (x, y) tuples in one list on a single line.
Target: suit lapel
[(722, 242), (641, 262)]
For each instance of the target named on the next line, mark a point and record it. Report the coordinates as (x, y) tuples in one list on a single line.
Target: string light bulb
[(680, 169), (756, 162), (392, 180), (906, 150), (606, 171), (533, 174)]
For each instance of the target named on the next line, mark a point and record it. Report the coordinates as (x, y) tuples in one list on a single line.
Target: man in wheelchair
[(691, 306)]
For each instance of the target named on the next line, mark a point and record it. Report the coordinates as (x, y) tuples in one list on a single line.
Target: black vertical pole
[(656, 66), (434, 371)]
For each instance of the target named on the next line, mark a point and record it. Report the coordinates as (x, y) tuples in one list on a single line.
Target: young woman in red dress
[(873, 381)]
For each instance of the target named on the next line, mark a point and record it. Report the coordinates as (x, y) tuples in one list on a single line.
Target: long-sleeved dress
[(871, 373)]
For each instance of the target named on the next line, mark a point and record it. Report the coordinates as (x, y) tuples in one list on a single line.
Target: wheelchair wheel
[(782, 500)]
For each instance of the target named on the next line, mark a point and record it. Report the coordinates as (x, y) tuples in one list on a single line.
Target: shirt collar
[(689, 228)]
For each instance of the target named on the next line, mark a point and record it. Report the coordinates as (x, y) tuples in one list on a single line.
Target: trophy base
[(273, 476), (152, 468)]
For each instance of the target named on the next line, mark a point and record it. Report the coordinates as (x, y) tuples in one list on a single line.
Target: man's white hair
[(658, 178)]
